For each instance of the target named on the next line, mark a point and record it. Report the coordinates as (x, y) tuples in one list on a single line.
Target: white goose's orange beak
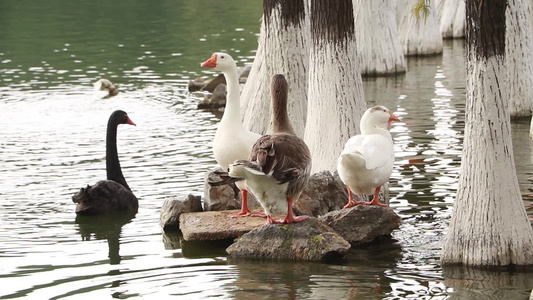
[(211, 62)]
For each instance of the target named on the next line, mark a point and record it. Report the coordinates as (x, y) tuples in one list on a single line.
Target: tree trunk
[(419, 35), (489, 225), (519, 58), (379, 51), (283, 49), (336, 99), (452, 18)]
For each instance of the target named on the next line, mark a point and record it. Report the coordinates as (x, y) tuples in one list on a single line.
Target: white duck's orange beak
[(393, 118), (211, 62)]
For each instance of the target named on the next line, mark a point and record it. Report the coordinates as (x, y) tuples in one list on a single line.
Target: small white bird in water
[(105, 85), (367, 160)]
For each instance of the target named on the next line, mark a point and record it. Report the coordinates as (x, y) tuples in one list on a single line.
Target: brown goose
[(113, 194), (280, 163), (105, 85)]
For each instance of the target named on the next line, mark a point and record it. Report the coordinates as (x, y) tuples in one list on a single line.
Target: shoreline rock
[(224, 197), (362, 223), (216, 88), (173, 207), (308, 240)]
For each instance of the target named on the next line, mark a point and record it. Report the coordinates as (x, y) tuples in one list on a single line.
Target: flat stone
[(362, 223), (308, 240), (216, 225), (173, 207)]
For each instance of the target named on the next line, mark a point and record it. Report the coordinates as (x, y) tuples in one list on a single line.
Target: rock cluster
[(216, 88), (327, 234)]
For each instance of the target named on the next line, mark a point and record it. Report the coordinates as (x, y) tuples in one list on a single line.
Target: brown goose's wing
[(286, 156)]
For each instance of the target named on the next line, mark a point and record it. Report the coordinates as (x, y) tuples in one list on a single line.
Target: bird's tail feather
[(224, 179)]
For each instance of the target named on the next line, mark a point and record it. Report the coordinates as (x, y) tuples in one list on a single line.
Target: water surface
[(52, 131)]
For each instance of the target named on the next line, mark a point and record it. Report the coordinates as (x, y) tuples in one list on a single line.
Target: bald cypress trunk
[(283, 48), (419, 35), (336, 100), (452, 18), (379, 50), (519, 58), (489, 225)]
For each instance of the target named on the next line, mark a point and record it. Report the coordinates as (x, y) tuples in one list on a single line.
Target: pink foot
[(240, 214), (351, 202), (354, 203), (375, 200), (258, 214), (375, 203), (294, 219), (244, 206)]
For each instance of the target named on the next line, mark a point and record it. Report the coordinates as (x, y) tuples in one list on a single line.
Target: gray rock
[(209, 85), (173, 207), (224, 197), (244, 73), (307, 240), (362, 223), (216, 225), (215, 100), (325, 192)]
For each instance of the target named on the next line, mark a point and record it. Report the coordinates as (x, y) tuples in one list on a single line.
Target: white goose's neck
[(232, 111)]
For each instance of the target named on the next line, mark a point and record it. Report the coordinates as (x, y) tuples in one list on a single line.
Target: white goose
[(232, 141), (280, 163), (367, 160)]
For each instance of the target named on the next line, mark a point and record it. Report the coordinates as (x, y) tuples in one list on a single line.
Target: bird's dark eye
[(222, 56)]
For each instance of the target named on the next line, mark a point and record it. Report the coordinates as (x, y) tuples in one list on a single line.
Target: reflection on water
[(52, 142), (472, 283), (106, 227)]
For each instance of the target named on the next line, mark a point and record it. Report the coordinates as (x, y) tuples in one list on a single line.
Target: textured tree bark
[(452, 18), (336, 99), (519, 58), (489, 225), (418, 35), (379, 51), (283, 49)]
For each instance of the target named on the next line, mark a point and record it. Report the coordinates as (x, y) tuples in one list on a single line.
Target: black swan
[(113, 194)]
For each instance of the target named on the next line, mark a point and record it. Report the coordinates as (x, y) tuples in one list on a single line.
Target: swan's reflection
[(107, 227)]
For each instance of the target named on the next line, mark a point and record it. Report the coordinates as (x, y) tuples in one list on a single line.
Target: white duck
[(232, 141), (280, 163), (367, 160)]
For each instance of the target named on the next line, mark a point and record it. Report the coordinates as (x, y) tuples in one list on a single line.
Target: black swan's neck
[(114, 172)]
